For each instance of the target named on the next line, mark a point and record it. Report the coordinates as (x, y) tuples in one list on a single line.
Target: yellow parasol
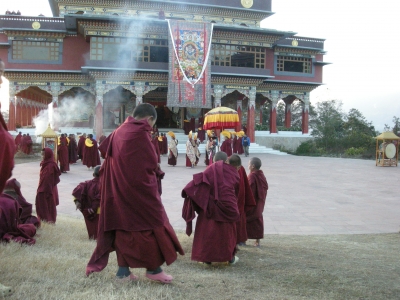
[(221, 117)]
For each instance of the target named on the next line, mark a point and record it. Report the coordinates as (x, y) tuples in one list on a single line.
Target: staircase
[(182, 139)]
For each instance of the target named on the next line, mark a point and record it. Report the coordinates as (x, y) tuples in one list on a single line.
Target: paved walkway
[(307, 195)]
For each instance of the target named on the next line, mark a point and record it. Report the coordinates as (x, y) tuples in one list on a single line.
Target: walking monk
[(81, 145), (245, 200), (212, 194), (259, 187), (87, 200), (62, 152), (133, 221), (91, 156), (172, 149), (47, 192)]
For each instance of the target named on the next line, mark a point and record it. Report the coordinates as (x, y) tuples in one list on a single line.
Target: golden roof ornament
[(247, 3)]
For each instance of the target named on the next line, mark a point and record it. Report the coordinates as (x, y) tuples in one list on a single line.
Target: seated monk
[(212, 194), (259, 187), (87, 200), (13, 189)]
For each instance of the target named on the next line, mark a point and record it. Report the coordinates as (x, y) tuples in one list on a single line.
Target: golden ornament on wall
[(36, 25), (295, 43), (247, 3)]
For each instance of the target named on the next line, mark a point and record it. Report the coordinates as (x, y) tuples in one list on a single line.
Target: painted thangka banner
[(189, 83)]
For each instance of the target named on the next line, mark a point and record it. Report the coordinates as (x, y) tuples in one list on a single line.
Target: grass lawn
[(285, 267)]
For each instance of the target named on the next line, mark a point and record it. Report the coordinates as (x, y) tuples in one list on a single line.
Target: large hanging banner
[(189, 83)]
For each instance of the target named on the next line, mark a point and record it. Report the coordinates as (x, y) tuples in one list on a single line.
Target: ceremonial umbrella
[(221, 117)]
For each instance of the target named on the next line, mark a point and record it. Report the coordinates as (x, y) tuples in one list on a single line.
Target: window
[(237, 56), (35, 51), (142, 50), (294, 64)]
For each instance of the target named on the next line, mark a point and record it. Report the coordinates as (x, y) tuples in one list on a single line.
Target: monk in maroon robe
[(245, 202), (154, 141), (91, 156), (239, 145), (10, 227), (13, 189), (160, 144), (81, 145), (212, 194), (23, 143), (62, 152), (227, 146), (259, 187), (201, 134), (165, 144), (102, 138), (87, 200), (133, 221), (72, 149), (28, 144), (17, 140), (47, 193), (234, 145)]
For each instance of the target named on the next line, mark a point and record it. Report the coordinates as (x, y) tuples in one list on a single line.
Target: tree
[(328, 125)]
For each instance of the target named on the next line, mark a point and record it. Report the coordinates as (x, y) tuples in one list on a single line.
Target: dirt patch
[(285, 267)]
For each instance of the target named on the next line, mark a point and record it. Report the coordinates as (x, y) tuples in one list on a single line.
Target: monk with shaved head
[(133, 221)]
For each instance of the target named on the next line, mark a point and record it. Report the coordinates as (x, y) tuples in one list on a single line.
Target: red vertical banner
[(251, 124), (11, 116), (189, 83)]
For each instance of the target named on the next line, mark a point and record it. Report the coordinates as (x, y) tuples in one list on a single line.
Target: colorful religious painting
[(189, 83)]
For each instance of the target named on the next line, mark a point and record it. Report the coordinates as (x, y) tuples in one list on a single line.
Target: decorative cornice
[(227, 80), (129, 76), (286, 86), (47, 77), (171, 10), (245, 36), (46, 34), (296, 50)]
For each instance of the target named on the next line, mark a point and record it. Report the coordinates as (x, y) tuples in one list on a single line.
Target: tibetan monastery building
[(184, 57)]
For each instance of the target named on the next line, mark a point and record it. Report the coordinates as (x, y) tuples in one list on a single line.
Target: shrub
[(306, 148)]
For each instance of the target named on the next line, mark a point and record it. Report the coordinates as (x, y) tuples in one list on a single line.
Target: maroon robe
[(28, 144), (154, 141), (88, 195), (201, 135), (239, 146), (10, 227), (102, 138), (160, 145), (23, 144), (165, 145), (91, 157), (245, 202), (227, 147), (234, 145), (63, 156), (17, 140), (81, 145), (72, 150), (255, 221), (212, 194), (47, 193), (7, 151), (14, 191), (132, 219)]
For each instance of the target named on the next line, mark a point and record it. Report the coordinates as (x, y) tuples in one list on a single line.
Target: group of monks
[(122, 204), (232, 145), (23, 143)]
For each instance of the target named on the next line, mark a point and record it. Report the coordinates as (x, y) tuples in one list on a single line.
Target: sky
[(362, 43)]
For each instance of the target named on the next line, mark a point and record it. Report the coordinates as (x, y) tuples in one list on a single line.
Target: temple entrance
[(76, 108), (118, 104), (167, 117)]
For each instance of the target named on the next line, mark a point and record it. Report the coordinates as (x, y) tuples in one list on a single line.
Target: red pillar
[(288, 115), (18, 112), (272, 119), (11, 116), (99, 119), (304, 120)]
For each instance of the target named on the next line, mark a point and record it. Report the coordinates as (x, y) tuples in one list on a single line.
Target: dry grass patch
[(285, 267)]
